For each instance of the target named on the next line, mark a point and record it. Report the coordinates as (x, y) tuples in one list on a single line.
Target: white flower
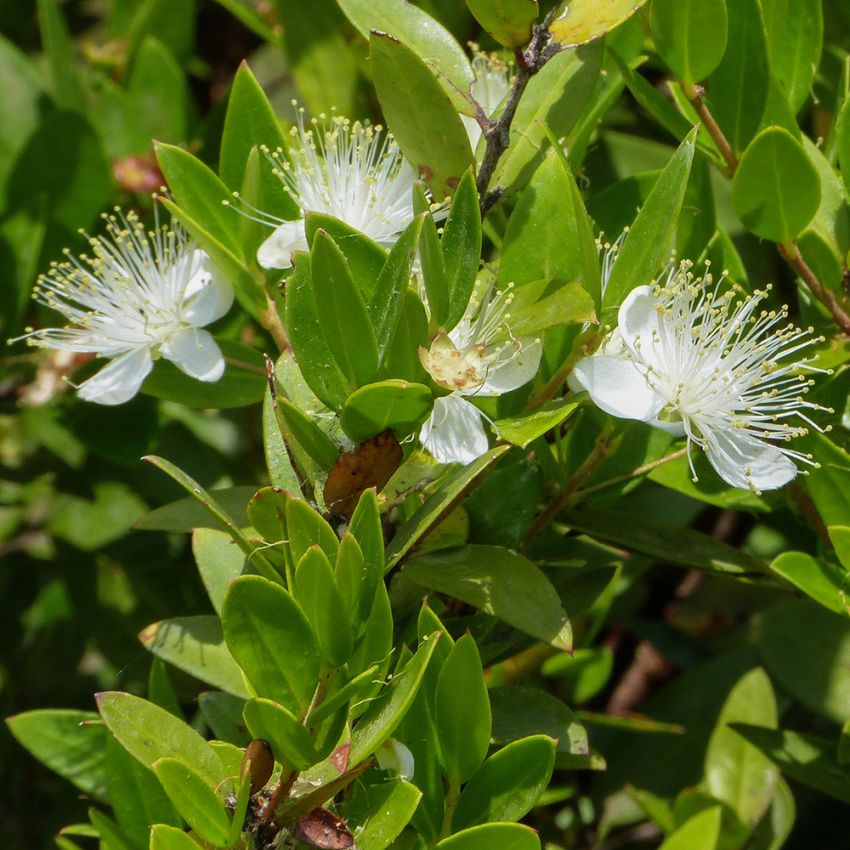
[(690, 360), (352, 171), (478, 357), (490, 87), (140, 296), (395, 757)]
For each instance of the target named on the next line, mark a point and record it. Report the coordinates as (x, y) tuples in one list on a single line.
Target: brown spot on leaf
[(371, 464), (323, 829), (339, 757)]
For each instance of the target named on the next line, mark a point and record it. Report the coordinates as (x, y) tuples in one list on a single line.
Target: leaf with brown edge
[(323, 829), (371, 464)]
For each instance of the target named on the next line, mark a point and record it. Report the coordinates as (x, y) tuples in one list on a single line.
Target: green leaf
[(132, 721), (110, 833), (670, 543), (533, 311), (818, 579), (223, 714), (587, 20), (243, 382), (508, 785), (794, 41), (196, 801), (401, 359), (290, 740), (739, 85), (842, 144), (736, 773), (420, 115), (461, 244), (804, 758), (505, 836), (59, 47), (158, 100), (524, 430), (498, 582), (386, 305), (435, 506), (388, 709), (647, 247), (366, 528), (70, 743), (556, 98), (393, 805), (422, 34), (184, 515), (829, 485), (250, 121), (433, 266), (690, 35), (776, 190), (196, 645), (365, 257), (170, 838), (317, 593), (314, 357), (387, 404), (198, 191), (268, 634), (549, 234), (807, 650), (840, 537), (342, 313), (462, 712), (307, 528), (508, 21), (135, 794), (701, 832), (310, 436)]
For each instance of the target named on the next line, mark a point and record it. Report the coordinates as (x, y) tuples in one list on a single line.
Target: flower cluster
[(139, 296), (689, 358)]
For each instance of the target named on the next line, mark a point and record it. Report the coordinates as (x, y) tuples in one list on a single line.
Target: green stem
[(452, 797)]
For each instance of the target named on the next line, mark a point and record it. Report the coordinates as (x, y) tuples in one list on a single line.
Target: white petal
[(747, 462), (394, 756), (119, 380), (616, 386), (276, 252), (208, 293), (196, 353), (453, 432), (638, 318), (517, 368)]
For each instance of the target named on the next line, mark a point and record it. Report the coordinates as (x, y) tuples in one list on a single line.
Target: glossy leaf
[(306, 528), (777, 190), (422, 34), (802, 757), (432, 510), (342, 313), (131, 719), (739, 85), (394, 404), (523, 430), (498, 582), (196, 645), (807, 650), (505, 836), (736, 772), (420, 115), (701, 832), (268, 634), (690, 36), (508, 21), (646, 248), (165, 837), (818, 579), (587, 20), (311, 437), (290, 740), (250, 121), (549, 234), (461, 244), (794, 42), (71, 743), (196, 801), (508, 785), (388, 710), (392, 805), (462, 712), (319, 597), (184, 515)]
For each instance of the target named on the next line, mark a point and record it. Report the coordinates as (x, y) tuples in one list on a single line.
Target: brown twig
[(498, 134), (695, 95)]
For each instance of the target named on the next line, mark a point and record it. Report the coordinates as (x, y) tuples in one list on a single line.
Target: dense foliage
[(482, 482)]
